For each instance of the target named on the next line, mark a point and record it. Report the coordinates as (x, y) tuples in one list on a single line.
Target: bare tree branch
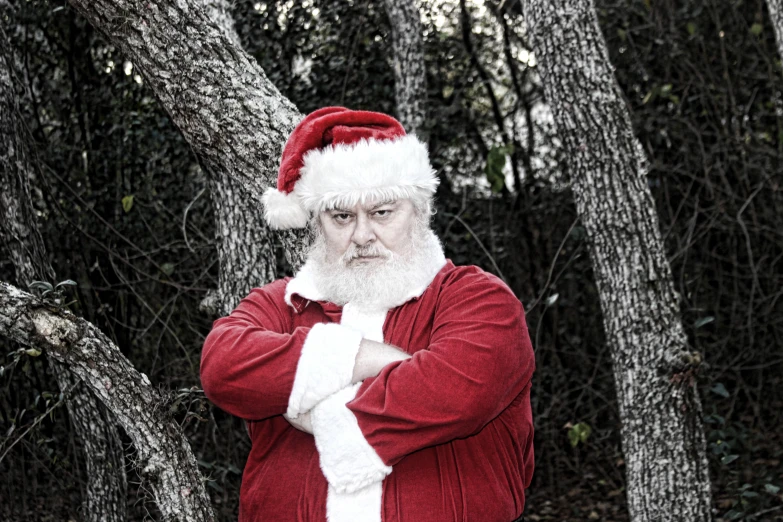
[(164, 456), (233, 117), (106, 491)]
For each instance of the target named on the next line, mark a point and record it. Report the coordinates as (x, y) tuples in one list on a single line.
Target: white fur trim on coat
[(367, 170), (282, 211), (363, 505), (325, 366), (347, 460)]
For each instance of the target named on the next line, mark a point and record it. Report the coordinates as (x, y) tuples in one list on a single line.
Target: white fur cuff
[(325, 366), (363, 505), (348, 461)]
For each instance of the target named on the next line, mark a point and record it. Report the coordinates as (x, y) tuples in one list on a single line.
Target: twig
[(37, 421), (185, 219), (492, 259), (552, 266)]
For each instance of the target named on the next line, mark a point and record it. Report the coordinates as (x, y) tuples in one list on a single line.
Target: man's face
[(366, 234)]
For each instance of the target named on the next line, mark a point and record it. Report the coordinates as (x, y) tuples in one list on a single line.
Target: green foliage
[(720, 389), (579, 433), (52, 294), (127, 203), (496, 162)]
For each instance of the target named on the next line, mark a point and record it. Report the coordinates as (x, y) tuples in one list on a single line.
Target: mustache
[(371, 250)]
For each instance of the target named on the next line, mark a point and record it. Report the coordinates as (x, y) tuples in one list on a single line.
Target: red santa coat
[(446, 435)]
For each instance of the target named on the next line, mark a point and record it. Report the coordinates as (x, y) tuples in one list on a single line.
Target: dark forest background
[(125, 212)]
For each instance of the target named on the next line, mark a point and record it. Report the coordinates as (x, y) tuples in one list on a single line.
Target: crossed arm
[(256, 365), (371, 358)]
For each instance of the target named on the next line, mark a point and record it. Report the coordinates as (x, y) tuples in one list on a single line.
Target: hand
[(372, 357), (302, 422)]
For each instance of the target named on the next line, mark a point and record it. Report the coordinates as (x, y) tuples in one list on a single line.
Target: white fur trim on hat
[(347, 460), (325, 366), (367, 170), (283, 210)]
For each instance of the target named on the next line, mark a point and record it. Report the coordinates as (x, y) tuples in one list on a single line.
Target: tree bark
[(233, 117), (775, 8), (244, 242), (662, 435), (410, 73), (163, 454), (105, 495)]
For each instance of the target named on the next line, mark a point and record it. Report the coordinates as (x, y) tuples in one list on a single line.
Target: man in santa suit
[(382, 382)]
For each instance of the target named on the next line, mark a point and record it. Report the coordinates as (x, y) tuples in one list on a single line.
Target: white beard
[(379, 284)]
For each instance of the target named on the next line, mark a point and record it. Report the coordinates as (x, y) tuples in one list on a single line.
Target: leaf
[(622, 33), (704, 320), (496, 161), (691, 27), (720, 389), (33, 352), (552, 299), (771, 488), (40, 285), (728, 459), (579, 432), (579, 232), (67, 282), (167, 268), (756, 29), (127, 203)]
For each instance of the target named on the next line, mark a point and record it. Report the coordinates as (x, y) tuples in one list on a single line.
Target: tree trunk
[(410, 74), (105, 496), (233, 117), (775, 8), (163, 454), (662, 435), (244, 242)]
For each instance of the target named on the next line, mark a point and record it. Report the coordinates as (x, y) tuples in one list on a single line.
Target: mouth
[(364, 259)]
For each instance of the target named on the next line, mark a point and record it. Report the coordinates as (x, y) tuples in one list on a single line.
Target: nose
[(363, 233)]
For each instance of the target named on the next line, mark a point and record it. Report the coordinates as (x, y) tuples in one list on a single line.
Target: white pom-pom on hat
[(282, 210)]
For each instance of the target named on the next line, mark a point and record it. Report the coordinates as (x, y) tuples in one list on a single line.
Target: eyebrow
[(387, 202), (350, 211)]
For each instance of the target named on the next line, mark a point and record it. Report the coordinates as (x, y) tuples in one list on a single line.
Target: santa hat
[(337, 157)]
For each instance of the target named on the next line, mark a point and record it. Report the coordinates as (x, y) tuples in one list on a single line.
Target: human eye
[(341, 217), (382, 212)]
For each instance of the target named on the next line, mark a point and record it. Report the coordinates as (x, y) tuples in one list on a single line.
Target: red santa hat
[(337, 157)]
